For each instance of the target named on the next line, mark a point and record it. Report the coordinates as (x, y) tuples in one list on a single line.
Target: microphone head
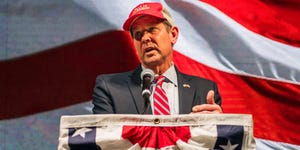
[(147, 73)]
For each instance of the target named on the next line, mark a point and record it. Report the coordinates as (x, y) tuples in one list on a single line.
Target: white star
[(229, 146), (81, 132)]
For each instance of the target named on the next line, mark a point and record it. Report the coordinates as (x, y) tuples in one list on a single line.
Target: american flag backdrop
[(51, 52), (135, 132)]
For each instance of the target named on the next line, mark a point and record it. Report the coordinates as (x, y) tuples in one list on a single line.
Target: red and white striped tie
[(161, 104)]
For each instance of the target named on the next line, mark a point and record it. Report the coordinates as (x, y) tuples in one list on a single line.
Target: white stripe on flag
[(212, 38), (263, 144)]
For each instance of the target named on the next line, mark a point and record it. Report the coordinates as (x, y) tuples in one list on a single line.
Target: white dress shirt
[(171, 89)]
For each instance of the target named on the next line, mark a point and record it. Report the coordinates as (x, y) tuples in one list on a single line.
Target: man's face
[(153, 41)]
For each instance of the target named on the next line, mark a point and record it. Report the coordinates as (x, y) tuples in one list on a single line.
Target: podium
[(135, 132)]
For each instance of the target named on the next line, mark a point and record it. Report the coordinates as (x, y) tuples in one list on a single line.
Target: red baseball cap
[(153, 9)]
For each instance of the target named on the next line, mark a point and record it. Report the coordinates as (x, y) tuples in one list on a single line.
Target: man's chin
[(151, 63)]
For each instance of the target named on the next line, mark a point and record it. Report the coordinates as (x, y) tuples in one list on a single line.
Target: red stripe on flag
[(62, 76), (275, 19), (273, 104)]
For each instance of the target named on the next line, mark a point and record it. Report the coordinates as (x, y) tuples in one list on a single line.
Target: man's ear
[(174, 32)]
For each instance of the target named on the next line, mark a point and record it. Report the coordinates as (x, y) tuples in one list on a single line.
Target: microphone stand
[(146, 96), (146, 104)]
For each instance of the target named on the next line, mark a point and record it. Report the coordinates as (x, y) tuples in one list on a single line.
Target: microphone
[(147, 77)]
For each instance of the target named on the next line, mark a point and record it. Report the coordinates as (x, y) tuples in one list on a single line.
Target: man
[(154, 34)]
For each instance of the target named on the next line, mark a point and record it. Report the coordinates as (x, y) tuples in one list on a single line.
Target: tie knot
[(160, 79)]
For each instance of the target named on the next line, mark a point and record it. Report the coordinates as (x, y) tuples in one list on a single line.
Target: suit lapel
[(186, 93), (134, 84)]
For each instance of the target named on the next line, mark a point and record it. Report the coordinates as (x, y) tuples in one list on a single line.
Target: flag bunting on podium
[(105, 132)]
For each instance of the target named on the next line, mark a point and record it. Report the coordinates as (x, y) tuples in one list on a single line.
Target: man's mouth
[(149, 49)]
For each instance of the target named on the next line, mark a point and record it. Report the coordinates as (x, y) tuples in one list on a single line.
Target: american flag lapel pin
[(185, 85)]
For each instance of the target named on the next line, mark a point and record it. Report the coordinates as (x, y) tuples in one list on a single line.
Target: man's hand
[(210, 108)]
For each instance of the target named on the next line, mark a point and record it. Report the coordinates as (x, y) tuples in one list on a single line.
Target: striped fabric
[(161, 104), (149, 132)]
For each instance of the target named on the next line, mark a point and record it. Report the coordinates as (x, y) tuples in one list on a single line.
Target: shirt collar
[(171, 75)]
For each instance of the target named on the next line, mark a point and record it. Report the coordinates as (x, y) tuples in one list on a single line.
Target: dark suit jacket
[(120, 93)]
